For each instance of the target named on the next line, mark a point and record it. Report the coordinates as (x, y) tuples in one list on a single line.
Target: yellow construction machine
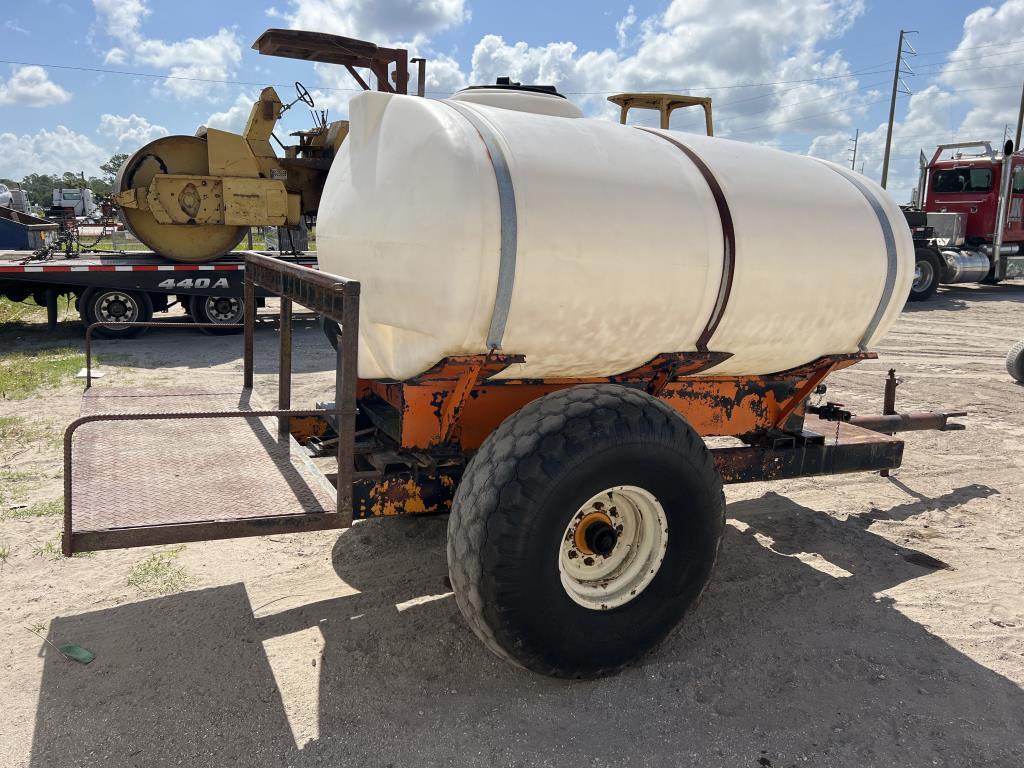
[(193, 198)]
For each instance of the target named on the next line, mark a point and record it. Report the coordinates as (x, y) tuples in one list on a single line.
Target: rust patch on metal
[(303, 428), (404, 493), (713, 405)]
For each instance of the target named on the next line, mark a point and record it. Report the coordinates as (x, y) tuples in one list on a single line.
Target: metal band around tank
[(728, 238), (509, 225), (892, 262)]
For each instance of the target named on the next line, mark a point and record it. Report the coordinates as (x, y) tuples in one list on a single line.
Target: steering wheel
[(304, 96)]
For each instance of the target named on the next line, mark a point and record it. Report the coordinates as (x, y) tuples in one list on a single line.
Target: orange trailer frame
[(401, 446)]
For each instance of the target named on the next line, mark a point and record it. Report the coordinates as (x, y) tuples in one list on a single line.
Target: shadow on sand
[(959, 297), (170, 346), (781, 664)]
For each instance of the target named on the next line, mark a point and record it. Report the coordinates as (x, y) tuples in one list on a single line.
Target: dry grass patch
[(22, 374), (52, 508), (160, 574)]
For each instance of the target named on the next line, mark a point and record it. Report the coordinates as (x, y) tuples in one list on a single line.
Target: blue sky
[(801, 75)]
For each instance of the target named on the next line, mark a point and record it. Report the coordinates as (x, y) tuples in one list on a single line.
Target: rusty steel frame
[(342, 51), (781, 456), (913, 421), (457, 403), (330, 295)]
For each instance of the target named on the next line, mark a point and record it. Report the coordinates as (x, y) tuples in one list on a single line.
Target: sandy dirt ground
[(852, 621)]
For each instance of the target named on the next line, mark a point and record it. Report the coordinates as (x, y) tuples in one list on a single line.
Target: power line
[(775, 108), (806, 117), (954, 50), (847, 109), (101, 70), (870, 70)]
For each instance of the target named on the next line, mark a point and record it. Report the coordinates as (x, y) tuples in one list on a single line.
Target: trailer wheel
[(1015, 362), (927, 271), (106, 305), (583, 529), (226, 310)]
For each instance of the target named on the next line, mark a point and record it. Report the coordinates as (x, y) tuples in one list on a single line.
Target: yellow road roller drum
[(193, 198)]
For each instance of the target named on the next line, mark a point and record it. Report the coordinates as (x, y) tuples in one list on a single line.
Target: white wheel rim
[(115, 307), (603, 581), (223, 309)]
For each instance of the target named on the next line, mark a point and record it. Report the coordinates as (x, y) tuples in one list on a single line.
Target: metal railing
[(334, 297)]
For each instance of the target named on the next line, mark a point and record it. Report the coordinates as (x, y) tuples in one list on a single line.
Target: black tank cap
[(506, 83)]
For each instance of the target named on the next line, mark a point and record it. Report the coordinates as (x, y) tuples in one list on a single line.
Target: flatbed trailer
[(585, 515), (130, 286)]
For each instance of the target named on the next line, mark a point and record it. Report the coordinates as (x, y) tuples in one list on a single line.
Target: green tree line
[(40, 186)]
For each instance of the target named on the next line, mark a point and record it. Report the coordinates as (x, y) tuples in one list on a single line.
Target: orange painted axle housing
[(456, 404)]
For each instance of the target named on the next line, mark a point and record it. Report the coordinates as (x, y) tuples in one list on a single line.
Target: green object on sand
[(77, 653)]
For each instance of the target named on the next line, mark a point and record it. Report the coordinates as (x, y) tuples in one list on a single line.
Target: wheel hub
[(117, 308), (599, 536), (612, 547), (223, 309), (923, 274)]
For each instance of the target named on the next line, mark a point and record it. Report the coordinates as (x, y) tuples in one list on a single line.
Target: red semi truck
[(969, 225)]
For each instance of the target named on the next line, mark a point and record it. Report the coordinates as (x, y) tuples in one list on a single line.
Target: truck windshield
[(962, 180)]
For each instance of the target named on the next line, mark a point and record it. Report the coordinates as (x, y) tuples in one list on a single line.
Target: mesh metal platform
[(161, 481)]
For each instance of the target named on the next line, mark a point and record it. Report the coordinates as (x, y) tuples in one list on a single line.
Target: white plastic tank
[(535, 99), (590, 247)]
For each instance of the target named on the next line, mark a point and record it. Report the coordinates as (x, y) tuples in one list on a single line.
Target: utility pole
[(892, 103), (853, 162), (1020, 120)]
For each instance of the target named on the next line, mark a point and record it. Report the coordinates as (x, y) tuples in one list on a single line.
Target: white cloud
[(695, 45), (129, 133), (116, 57), (30, 86), (391, 23), (992, 67), (709, 47), (234, 117), (379, 21), (206, 58), (981, 82), (689, 48), (623, 26), (927, 114), (122, 18), (49, 151), (12, 24), (188, 63)]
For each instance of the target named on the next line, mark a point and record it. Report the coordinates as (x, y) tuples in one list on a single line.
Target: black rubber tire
[(934, 263), (197, 309), (89, 312), (1015, 362), (520, 491)]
